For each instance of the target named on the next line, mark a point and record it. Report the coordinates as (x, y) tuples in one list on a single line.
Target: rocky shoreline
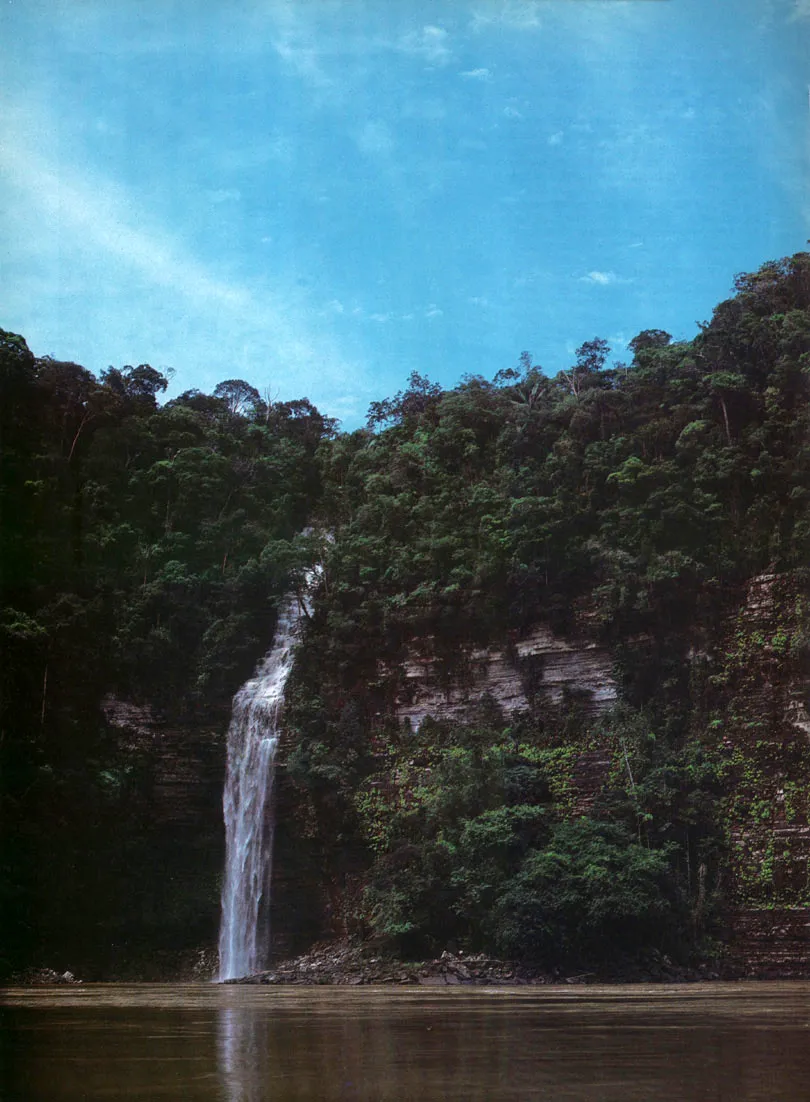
[(42, 977), (351, 965)]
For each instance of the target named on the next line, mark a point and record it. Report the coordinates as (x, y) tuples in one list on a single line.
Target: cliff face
[(318, 895), (756, 687), (540, 666), (753, 718), (185, 761), (761, 684), (168, 901)]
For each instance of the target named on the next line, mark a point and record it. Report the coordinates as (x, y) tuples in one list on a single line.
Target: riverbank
[(218, 1043), (342, 963)]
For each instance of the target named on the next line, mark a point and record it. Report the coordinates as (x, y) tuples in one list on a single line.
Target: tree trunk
[(44, 697), (725, 419)]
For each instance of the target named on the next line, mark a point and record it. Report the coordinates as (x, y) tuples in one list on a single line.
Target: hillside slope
[(553, 698)]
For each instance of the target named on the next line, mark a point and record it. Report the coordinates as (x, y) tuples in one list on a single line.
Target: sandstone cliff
[(539, 666)]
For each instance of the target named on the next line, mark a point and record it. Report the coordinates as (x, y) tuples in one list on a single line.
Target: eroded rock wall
[(184, 760), (517, 677), (167, 891), (761, 687)]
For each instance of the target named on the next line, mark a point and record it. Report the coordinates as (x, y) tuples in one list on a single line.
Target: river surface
[(690, 1043)]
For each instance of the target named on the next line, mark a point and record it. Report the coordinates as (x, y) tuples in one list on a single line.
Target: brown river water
[(690, 1043)]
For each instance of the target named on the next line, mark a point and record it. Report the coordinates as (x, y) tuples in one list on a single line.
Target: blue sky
[(321, 196)]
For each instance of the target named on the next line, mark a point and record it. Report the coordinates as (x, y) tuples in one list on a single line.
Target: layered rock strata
[(541, 665)]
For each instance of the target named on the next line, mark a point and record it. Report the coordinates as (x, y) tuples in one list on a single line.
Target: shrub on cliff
[(593, 891)]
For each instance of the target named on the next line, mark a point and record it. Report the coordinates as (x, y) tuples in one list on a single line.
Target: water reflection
[(242, 1047), (476, 1046), (734, 1043)]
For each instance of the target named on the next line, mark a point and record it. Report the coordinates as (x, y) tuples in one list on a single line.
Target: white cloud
[(476, 74), (381, 318), (512, 112), (618, 341), (601, 278), (520, 15), (801, 10), (79, 246), (636, 245), (97, 213), (430, 44), (433, 311), (556, 138)]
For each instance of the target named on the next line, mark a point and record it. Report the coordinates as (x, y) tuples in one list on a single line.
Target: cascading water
[(252, 741)]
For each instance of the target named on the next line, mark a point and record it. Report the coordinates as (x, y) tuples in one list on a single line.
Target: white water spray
[(252, 740)]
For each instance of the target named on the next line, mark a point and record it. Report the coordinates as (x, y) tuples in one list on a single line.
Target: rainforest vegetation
[(145, 547)]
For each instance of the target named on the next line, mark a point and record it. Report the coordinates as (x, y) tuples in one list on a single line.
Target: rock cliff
[(185, 760), (757, 689), (761, 691), (517, 677), (169, 897)]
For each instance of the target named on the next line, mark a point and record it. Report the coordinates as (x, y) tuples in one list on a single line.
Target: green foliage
[(472, 841), (592, 892), (145, 547), (143, 552)]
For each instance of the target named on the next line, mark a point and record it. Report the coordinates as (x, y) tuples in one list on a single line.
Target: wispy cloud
[(476, 74), (603, 279), (637, 153), (375, 139), (224, 195), (99, 215), (800, 10), (71, 219), (433, 311), (518, 15), (361, 315), (431, 44), (302, 59), (556, 138), (618, 341)]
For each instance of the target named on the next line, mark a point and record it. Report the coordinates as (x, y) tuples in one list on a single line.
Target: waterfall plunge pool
[(690, 1043)]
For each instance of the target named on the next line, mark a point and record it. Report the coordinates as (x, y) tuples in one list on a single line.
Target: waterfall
[(252, 740)]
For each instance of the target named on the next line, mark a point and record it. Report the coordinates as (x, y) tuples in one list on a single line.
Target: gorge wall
[(752, 677), (169, 898), (762, 683), (432, 708), (539, 666), (756, 686)]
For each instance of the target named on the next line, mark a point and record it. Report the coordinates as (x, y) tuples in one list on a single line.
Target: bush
[(592, 892)]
